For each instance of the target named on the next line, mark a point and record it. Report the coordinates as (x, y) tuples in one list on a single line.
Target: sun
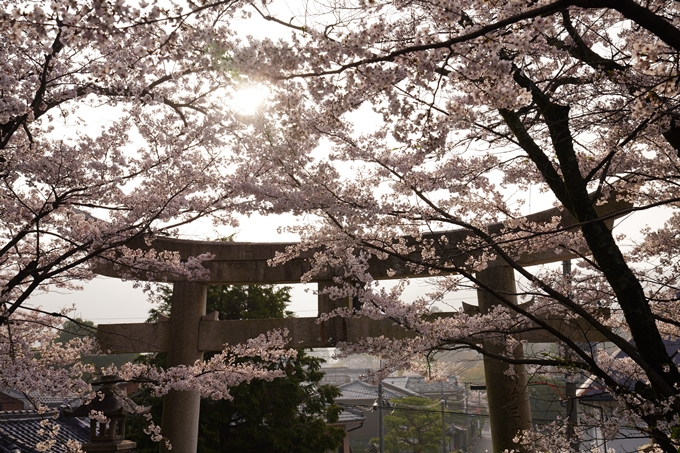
[(249, 99)]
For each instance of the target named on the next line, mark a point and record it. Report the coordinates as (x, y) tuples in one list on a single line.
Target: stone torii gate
[(190, 332)]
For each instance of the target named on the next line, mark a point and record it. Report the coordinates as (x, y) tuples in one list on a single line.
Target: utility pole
[(443, 403), (477, 388), (381, 429), (572, 415), (572, 407)]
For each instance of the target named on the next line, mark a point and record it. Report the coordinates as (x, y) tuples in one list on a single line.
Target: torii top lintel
[(247, 262)]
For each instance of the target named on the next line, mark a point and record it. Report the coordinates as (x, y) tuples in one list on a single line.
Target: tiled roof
[(36, 397), (336, 380), (359, 390), (19, 431), (349, 415), (397, 381), (422, 386)]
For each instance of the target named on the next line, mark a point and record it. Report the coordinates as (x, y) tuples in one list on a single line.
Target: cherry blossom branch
[(481, 31)]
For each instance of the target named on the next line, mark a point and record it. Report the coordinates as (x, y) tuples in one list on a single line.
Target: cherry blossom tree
[(115, 127), (395, 120)]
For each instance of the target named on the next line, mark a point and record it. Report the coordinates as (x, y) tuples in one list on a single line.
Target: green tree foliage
[(249, 302), (76, 328), (547, 397), (236, 302), (287, 414), (414, 426)]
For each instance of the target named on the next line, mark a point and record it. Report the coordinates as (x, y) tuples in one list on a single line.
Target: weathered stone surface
[(181, 409), (213, 335)]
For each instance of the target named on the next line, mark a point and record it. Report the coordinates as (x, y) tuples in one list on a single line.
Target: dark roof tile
[(19, 431)]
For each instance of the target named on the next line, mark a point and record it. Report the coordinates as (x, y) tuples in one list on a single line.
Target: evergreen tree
[(78, 327), (285, 415), (413, 426)]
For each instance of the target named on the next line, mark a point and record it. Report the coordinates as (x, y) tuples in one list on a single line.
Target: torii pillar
[(506, 393), (181, 409)]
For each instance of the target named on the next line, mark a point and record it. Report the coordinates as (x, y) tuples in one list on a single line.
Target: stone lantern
[(109, 436)]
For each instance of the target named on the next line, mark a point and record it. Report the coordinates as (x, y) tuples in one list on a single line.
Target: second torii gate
[(189, 332)]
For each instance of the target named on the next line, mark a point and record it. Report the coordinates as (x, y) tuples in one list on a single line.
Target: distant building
[(10, 403), (601, 405), (20, 430), (362, 396), (11, 400), (20, 422), (351, 420), (457, 397)]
